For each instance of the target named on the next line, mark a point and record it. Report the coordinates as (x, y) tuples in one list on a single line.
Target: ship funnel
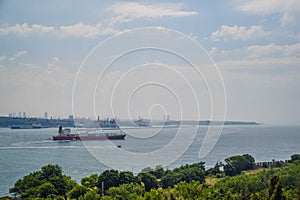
[(60, 129)]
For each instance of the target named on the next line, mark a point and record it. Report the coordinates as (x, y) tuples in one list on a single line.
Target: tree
[(295, 157), (90, 195), (126, 177), (236, 164), (77, 192), (275, 189), (192, 174), (110, 178), (148, 180), (90, 181), (158, 172), (50, 171), (170, 179), (29, 181), (46, 189), (31, 185), (126, 191), (249, 161)]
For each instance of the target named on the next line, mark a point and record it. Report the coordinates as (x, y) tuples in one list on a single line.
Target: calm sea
[(25, 151)]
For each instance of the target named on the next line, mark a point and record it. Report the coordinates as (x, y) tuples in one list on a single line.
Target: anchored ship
[(88, 134), (33, 126), (142, 122)]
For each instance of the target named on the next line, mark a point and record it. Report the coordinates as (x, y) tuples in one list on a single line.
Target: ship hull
[(89, 137)]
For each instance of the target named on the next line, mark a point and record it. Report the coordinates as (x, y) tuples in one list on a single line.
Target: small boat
[(88, 134)]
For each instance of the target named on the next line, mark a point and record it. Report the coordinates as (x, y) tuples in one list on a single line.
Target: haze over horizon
[(255, 45)]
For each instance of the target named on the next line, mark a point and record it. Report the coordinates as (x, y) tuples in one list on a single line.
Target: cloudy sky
[(255, 45)]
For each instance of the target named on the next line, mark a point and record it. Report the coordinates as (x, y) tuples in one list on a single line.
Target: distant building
[(46, 115), (24, 114), (71, 117)]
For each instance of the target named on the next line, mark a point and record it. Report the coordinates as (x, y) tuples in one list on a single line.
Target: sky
[(52, 54)]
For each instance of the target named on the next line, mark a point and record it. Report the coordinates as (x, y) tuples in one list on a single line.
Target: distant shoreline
[(8, 122)]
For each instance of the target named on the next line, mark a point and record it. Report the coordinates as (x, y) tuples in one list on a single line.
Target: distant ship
[(142, 122), (88, 134), (33, 126), (108, 123)]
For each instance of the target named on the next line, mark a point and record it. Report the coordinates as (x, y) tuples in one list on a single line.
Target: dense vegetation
[(185, 182)]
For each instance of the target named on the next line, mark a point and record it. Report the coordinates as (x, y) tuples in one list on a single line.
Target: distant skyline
[(255, 44)]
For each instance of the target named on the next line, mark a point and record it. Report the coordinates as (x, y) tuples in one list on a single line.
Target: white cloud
[(84, 30), (17, 55), (273, 50), (25, 29), (128, 11), (31, 66), (18, 29), (75, 30), (228, 33), (286, 8)]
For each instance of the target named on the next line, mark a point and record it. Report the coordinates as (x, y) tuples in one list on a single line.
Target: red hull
[(89, 137)]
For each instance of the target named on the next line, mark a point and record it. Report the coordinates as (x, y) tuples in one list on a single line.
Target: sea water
[(27, 150)]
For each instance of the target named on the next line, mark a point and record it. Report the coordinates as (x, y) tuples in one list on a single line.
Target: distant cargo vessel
[(88, 134), (33, 126), (142, 122)]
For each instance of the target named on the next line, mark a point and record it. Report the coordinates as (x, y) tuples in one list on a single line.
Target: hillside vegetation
[(241, 179)]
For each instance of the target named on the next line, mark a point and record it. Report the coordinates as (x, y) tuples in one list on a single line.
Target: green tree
[(90, 181), (189, 190), (90, 195), (295, 157), (46, 189), (126, 191), (27, 182), (236, 164), (170, 179), (29, 185), (77, 192), (148, 180), (110, 178), (158, 172), (126, 177), (275, 189), (250, 161), (49, 171), (192, 174)]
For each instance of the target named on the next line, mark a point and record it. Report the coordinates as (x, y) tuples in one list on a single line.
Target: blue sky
[(255, 44)]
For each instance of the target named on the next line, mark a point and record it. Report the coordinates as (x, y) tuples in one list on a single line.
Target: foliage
[(46, 189), (148, 181), (90, 181), (77, 191), (295, 157), (110, 178), (185, 182), (126, 191), (48, 181), (236, 164), (90, 195), (187, 173), (127, 177), (275, 189)]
